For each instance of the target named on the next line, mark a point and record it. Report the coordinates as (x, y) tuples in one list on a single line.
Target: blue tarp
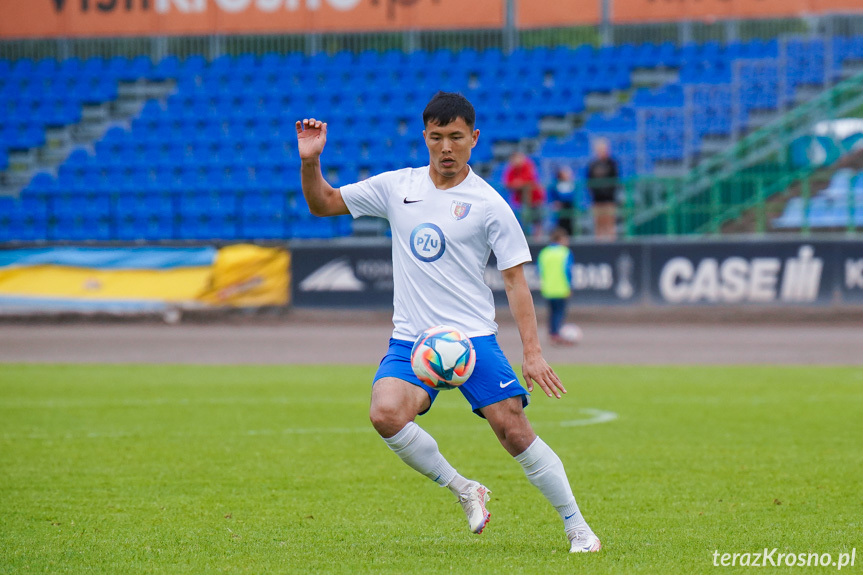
[(110, 258)]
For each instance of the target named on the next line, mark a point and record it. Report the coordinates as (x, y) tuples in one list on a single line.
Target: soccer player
[(445, 221)]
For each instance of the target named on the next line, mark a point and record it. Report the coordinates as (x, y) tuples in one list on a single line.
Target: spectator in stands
[(562, 197), (602, 174), (555, 280), (527, 195)]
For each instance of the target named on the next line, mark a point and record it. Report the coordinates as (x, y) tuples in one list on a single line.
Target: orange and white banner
[(538, 13), (634, 11), (74, 18), (77, 18)]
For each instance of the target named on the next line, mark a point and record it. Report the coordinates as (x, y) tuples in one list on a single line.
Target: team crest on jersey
[(459, 210)]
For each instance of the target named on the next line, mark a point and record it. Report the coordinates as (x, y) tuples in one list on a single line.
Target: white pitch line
[(159, 402), (310, 430), (596, 416)]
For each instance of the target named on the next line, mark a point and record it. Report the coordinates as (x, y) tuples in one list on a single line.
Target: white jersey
[(441, 243)]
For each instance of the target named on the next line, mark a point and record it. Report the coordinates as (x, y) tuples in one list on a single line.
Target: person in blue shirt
[(562, 197)]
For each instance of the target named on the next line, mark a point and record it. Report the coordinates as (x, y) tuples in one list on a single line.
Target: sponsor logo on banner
[(593, 282), (625, 266), (851, 272), (230, 6), (337, 275), (602, 277), (854, 274), (76, 18), (345, 274), (738, 279)]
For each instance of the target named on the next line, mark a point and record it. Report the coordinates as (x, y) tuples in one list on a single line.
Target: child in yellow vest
[(555, 276)]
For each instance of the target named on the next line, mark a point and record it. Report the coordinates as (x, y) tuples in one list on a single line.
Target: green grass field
[(187, 469)]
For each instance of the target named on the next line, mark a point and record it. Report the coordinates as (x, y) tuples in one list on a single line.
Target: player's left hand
[(534, 368)]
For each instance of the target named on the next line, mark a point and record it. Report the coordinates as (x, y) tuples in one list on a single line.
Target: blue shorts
[(493, 379)]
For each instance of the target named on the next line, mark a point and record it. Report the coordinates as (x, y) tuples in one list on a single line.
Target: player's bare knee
[(511, 426), (388, 417), (515, 437), (517, 441)]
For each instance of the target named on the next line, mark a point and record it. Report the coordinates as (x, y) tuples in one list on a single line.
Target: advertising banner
[(601, 275), (742, 273), (363, 276), (75, 18), (635, 11), (850, 256), (342, 276), (536, 14), (88, 18)]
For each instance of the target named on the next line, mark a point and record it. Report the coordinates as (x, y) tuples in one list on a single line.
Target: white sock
[(420, 451), (544, 470)]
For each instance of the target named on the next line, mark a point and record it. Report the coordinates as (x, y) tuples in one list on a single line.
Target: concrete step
[(95, 121), (654, 77)]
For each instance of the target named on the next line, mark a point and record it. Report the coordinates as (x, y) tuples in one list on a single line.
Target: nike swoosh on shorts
[(502, 384)]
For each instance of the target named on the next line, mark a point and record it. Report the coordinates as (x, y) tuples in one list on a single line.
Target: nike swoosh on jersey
[(502, 384), (407, 201)]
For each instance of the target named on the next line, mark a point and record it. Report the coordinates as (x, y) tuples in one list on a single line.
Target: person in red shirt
[(527, 194)]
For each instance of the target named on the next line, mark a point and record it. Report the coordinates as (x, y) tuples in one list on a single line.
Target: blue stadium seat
[(23, 68), (137, 69), (23, 220), (220, 157), (311, 228), (145, 227)]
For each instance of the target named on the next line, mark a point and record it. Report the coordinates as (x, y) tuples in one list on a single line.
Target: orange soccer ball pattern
[(443, 357)]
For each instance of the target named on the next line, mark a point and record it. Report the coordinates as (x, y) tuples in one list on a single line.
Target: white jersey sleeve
[(505, 236), (369, 197)]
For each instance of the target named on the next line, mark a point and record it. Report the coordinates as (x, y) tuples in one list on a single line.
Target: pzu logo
[(427, 242)]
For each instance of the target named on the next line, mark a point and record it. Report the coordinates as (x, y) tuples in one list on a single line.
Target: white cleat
[(584, 541), (473, 502)]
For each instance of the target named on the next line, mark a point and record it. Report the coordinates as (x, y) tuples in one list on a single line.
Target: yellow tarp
[(248, 276), (171, 285)]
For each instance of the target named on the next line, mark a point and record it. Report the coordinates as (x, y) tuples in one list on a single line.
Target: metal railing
[(802, 203), (743, 204), (757, 167), (213, 46)]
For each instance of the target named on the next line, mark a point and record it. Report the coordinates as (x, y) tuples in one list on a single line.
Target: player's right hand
[(311, 138)]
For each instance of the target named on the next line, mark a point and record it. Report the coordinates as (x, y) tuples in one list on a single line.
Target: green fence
[(747, 196), (747, 175), (742, 204)]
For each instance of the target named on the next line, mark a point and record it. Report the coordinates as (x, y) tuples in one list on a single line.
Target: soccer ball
[(443, 357), (571, 333)]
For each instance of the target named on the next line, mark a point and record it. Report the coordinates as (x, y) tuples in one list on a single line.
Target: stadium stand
[(835, 206), (217, 159)]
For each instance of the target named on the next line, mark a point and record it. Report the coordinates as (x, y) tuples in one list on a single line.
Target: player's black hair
[(445, 107)]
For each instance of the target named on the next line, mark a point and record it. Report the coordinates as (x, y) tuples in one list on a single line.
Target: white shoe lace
[(583, 540)]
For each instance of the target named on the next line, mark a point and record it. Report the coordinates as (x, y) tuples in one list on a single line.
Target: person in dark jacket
[(602, 176)]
